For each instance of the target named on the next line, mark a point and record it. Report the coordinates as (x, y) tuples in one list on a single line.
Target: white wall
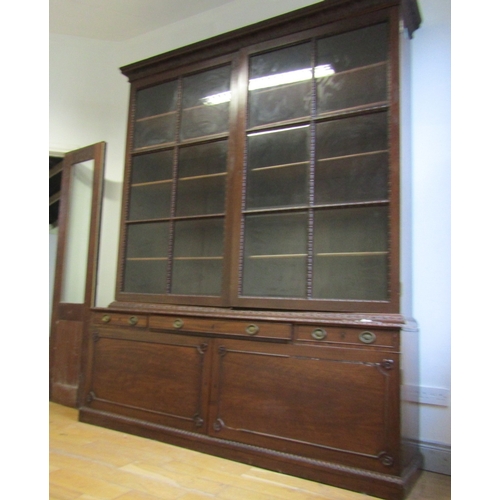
[(88, 103), (431, 133)]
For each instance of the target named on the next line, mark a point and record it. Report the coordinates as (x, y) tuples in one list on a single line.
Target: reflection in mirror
[(78, 233)]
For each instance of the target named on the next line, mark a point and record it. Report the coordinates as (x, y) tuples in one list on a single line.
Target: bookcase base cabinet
[(315, 399)]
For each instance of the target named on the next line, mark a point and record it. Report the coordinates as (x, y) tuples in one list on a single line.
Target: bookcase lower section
[(315, 399)]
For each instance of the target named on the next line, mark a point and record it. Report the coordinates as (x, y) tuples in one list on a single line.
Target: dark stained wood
[(310, 387), (163, 382), (69, 320), (208, 326), (315, 15), (66, 345), (326, 404), (327, 410), (316, 21)]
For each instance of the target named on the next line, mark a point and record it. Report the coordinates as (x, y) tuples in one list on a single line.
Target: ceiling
[(118, 20)]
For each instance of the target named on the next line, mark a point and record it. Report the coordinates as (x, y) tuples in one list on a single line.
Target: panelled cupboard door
[(76, 267), (155, 377), (330, 404)]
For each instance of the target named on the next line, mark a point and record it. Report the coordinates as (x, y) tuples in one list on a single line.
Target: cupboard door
[(323, 403), (159, 378)]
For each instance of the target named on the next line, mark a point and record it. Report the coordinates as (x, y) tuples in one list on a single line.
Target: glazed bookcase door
[(269, 178), (316, 204), (174, 222)]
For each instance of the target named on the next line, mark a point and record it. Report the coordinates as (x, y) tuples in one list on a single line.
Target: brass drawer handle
[(252, 329), (133, 320), (178, 323), (106, 318), (367, 337), (318, 334)]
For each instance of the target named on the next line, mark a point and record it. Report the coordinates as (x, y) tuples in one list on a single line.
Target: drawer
[(118, 319), (346, 336), (248, 329)]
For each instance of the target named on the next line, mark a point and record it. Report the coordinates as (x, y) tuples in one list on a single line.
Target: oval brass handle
[(318, 334), (367, 337), (252, 329), (178, 323), (133, 320), (106, 318)]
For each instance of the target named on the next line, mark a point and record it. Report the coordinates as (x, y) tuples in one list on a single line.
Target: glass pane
[(352, 179), (154, 131), (351, 254), (151, 188), (202, 179), (145, 276), (278, 168), (275, 255), (205, 103), (155, 115), (150, 201), (148, 240), (146, 258), (156, 100), (280, 85), (198, 254), (74, 277), (352, 69), (351, 136), (152, 167)]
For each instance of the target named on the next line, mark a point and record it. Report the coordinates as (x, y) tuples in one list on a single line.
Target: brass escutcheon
[(252, 329), (133, 320), (318, 334), (106, 318), (178, 323), (367, 337)]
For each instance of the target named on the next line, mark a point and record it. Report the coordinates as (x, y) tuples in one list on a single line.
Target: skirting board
[(437, 457)]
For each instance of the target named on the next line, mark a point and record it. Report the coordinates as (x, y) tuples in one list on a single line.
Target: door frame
[(68, 321)]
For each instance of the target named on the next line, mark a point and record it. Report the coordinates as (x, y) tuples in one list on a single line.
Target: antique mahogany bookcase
[(258, 305)]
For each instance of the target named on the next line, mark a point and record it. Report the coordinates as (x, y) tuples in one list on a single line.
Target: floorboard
[(93, 463)]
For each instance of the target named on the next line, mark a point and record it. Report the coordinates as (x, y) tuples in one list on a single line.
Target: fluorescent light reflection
[(299, 75), (219, 98), (253, 134)]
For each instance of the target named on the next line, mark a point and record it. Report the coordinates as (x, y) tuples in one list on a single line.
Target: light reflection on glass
[(277, 130), (264, 82)]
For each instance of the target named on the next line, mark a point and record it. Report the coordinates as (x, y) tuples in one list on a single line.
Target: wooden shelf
[(205, 176), (284, 165), (152, 117), (154, 147), (354, 155), (350, 254), (199, 258), (278, 256), (147, 258), (151, 183), (358, 69), (353, 111)]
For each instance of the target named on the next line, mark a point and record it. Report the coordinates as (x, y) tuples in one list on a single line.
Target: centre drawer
[(238, 328)]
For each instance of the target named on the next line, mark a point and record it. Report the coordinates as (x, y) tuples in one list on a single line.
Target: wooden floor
[(92, 463)]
